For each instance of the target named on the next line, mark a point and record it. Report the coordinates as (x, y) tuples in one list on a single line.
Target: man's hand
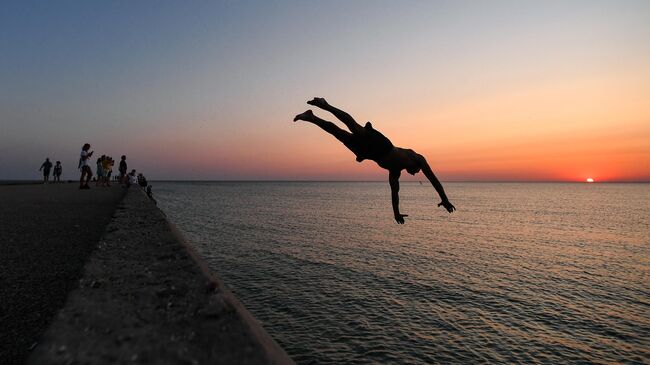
[(399, 218), (447, 204)]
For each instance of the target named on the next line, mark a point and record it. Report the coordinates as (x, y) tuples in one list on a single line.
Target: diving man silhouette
[(367, 143)]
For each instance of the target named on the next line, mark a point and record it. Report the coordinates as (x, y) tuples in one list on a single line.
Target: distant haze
[(486, 90)]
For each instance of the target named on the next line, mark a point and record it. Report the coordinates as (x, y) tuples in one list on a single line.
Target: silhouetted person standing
[(46, 167), (100, 171), (58, 170), (123, 169), (86, 172), (367, 143)]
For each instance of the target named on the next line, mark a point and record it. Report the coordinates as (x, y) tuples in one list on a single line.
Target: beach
[(95, 278)]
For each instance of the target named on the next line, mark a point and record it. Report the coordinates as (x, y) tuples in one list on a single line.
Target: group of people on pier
[(103, 172)]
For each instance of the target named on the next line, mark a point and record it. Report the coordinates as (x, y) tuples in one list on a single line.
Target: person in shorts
[(368, 143), (86, 172), (46, 167), (106, 170)]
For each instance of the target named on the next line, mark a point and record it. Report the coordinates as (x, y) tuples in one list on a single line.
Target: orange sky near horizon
[(596, 127), (500, 90)]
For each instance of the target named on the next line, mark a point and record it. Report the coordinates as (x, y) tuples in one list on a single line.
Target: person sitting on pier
[(368, 143), (142, 180), (132, 179)]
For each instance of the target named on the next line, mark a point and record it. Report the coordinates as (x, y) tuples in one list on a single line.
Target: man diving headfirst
[(367, 143)]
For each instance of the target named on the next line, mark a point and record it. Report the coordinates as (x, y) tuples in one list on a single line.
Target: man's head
[(47, 159), (58, 162), (415, 162), (123, 157), (413, 170), (86, 147)]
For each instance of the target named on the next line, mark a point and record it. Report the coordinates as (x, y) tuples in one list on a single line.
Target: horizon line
[(4, 181), (407, 181)]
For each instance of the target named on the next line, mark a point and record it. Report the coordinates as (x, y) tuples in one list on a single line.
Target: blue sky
[(206, 90)]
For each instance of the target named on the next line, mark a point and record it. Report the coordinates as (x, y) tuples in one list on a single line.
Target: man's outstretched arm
[(436, 184), (393, 179)]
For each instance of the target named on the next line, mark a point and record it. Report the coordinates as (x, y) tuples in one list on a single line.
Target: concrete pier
[(144, 296), (47, 234)]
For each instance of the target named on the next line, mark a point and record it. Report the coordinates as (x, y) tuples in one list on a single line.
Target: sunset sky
[(486, 90)]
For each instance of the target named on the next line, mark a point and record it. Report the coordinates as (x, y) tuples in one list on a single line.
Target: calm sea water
[(528, 273)]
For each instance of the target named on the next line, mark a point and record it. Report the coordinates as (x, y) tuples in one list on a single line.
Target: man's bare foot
[(319, 102), (307, 116)]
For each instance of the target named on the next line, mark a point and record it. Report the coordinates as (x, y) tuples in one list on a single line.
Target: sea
[(535, 273)]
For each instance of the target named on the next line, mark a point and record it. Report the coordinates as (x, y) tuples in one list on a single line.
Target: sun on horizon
[(590, 180)]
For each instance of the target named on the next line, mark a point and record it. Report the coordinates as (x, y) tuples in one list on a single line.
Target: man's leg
[(344, 117), (329, 127), (89, 174)]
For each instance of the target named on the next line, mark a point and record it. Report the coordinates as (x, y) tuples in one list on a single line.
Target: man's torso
[(84, 158), (372, 145)]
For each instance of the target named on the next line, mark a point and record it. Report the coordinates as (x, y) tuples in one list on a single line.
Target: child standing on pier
[(58, 169)]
